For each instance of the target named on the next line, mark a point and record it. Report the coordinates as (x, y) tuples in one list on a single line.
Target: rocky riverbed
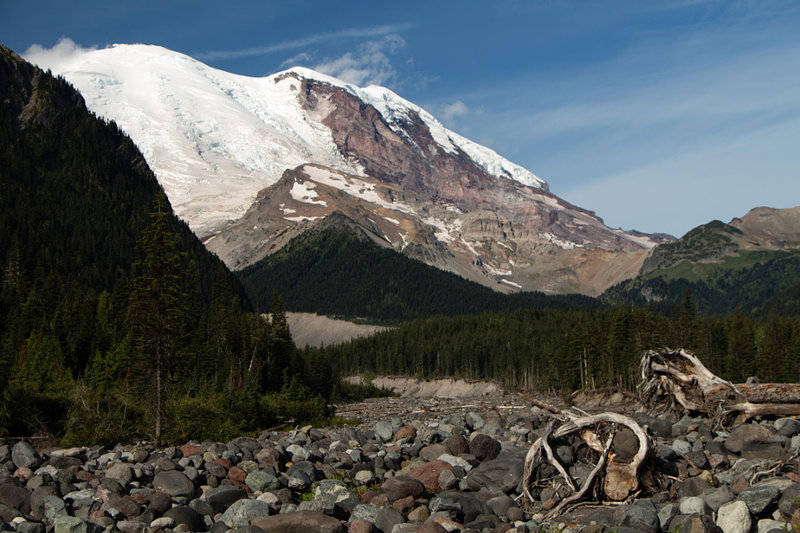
[(412, 466)]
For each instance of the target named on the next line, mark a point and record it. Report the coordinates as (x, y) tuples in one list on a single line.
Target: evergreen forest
[(562, 350), (115, 322)]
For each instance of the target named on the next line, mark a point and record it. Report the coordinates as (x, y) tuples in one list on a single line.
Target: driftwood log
[(676, 380), (614, 477)]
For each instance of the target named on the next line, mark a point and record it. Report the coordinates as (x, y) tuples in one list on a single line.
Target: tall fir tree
[(157, 309)]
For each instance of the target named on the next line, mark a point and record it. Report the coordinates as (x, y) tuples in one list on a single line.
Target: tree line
[(564, 350)]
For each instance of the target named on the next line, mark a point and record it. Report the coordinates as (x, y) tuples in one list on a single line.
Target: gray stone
[(717, 497), (30, 527), (224, 496), (260, 481), (388, 518), (174, 483), (53, 508), (790, 500), (747, 435), (80, 498), (759, 497), (474, 420), (299, 480), (363, 511), (641, 515), (694, 505), (658, 426), (681, 447), (666, 514), (243, 511), (24, 456), (788, 427), (484, 447), (734, 517), (501, 474), (297, 453), (470, 506), (501, 504), (120, 471), (69, 524), (448, 480), (384, 430)]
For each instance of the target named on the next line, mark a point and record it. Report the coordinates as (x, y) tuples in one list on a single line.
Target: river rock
[(694, 523), (69, 524), (222, 497), (243, 511), (759, 497), (23, 455), (641, 515), (501, 474), (299, 521), (484, 447), (174, 483), (746, 435), (734, 517)]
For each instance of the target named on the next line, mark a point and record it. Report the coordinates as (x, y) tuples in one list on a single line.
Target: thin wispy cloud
[(369, 64), (310, 40), (453, 111)]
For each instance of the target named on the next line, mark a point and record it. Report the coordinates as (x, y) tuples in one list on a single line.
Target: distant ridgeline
[(725, 267), (116, 323)]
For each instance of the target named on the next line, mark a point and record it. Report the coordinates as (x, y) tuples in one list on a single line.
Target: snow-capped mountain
[(248, 162)]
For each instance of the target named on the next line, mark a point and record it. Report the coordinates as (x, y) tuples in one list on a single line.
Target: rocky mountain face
[(250, 163), (749, 262)]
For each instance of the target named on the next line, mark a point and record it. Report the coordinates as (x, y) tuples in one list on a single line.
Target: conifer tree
[(156, 308)]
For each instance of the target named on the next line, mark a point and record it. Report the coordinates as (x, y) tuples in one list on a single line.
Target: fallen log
[(677, 381)]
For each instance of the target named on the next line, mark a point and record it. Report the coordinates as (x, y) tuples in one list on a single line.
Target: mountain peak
[(236, 153)]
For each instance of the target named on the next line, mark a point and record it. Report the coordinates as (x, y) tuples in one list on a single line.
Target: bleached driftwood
[(677, 380), (620, 477)]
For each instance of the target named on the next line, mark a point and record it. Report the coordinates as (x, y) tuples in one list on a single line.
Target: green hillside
[(340, 271), (115, 322)]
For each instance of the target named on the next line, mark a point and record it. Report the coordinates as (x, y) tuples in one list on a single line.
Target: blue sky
[(659, 116)]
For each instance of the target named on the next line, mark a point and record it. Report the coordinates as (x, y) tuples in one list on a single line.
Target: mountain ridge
[(220, 143)]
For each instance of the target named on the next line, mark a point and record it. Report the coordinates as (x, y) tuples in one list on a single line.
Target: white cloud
[(368, 65), (48, 58), (454, 110), (299, 59)]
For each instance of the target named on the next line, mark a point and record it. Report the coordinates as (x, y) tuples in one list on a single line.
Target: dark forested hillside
[(339, 271), (115, 320), (563, 350)]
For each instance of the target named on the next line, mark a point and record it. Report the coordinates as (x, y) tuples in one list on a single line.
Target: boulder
[(174, 483), (759, 497), (222, 497), (734, 517), (299, 521), (398, 487), (746, 435), (641, 515), (243, 512), (484, 447), (23, 455)]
